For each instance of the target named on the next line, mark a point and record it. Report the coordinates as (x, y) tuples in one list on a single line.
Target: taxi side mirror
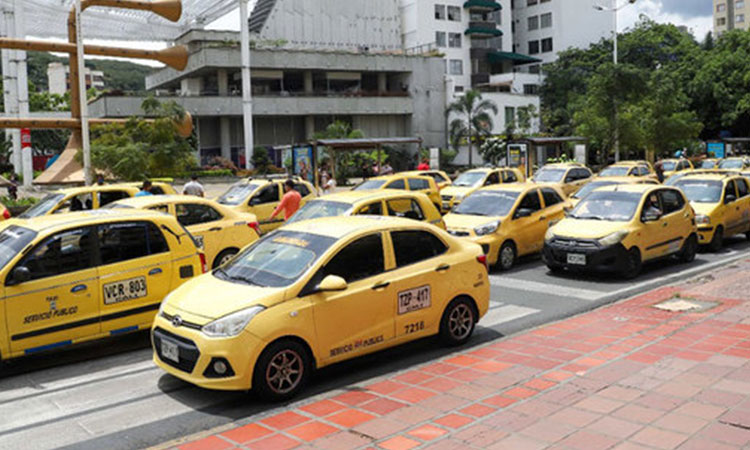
[(729, 198), (254, 201), (523, 212), (20, 274), (332, 283), (651, 217)]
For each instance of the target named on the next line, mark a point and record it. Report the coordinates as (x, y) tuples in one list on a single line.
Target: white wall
[(57, 78)]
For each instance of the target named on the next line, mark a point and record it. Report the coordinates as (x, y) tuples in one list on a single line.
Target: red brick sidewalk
[(626, 376)]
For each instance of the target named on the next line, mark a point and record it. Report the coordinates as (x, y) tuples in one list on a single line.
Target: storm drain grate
[(685, 305)]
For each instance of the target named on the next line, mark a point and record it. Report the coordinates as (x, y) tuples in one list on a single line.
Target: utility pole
[(247, 95), (88, 176)]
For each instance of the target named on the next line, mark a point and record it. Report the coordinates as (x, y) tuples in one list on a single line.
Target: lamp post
[(614, 10)]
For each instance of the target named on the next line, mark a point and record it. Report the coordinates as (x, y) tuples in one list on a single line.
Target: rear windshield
[(369, 185), (12, 240), (487, 203), (701, 191), (668, 165), (708, 164), (320, 208), (469, 179), (588, 188), (550, 175), (237, 194), (45, 205), (617, 171), (731, 164), (607, 205)]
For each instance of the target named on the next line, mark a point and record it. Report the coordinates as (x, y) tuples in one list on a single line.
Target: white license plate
[(414, 299), (576, 259), (170, 351), (122, 291), (198, 241)]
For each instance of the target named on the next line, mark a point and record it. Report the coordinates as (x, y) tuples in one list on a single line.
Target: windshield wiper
[(236, 278), (593, 218)]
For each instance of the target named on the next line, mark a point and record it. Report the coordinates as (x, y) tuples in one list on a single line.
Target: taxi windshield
[(237, 194), (469, 179), (731, 164), (587, 188), (487, 203), (369, 184), (701, 191), (320, 208), (708, 164), (615, 171), (12, 240), (45, 205), (276, 260), (668, 165), (607, 205), (549, 175)]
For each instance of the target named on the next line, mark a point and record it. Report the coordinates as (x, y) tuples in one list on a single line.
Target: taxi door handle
[(215, 229), (442, 268), (382, 285), (156, 271), (79, 288), (665, 224), (542, 218)]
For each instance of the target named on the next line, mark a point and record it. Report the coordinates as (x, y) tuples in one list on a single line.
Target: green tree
[(261, 160), (493, 150), (346, 162), (473, 119)]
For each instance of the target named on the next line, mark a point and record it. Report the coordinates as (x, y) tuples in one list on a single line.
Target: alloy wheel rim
[(460, 321), (284, 372), (225, 259), (507, 257)]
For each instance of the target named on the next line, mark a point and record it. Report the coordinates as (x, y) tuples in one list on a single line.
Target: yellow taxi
[(415, 183), (386, 202), (472, 180), (304, 297), (617, 228), (219, 231), (673, 166), (569, 177), (735, 163), (507, 220), (261, 196), (88, 275), (710, 163), (721, 204), (441, 178), (607, 181), (628, 169), (89, 197)]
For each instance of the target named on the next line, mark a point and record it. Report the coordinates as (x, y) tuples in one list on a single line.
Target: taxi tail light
[(255, 226), (483, 260), (204, 265), (6, 214)]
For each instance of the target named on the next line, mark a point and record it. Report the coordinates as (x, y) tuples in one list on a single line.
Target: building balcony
[(482, 6), (482, 30), (479, 78)]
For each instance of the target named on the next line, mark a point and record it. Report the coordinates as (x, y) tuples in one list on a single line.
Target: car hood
[(705, 209), (586, 229), (456, 190), (464, 221), (198, 297)]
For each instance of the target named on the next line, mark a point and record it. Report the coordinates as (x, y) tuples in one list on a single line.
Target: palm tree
[(476, 119)]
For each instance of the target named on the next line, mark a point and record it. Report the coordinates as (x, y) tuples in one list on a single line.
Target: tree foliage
[(473, 119)]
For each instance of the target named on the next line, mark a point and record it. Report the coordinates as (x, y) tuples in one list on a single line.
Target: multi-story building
[(730, 14), (58, 78)]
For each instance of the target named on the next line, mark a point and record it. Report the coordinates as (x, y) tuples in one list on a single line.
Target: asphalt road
[(110, 395)]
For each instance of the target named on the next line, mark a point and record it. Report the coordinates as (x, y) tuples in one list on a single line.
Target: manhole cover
[(682, 305)]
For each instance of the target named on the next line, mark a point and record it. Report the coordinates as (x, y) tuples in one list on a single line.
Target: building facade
[(58, 78), (730, 14)]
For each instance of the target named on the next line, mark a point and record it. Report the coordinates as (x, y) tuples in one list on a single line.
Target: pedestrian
[(303, 170), (289, 202), (193, 187), (329, 186), (425, 165), (100, 180), (386, 169), (13, 187), (145, 189), (659, 169)]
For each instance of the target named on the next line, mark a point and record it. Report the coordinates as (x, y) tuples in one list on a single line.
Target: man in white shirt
[(193, 187)]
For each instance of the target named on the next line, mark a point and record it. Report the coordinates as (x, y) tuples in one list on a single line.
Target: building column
[(191, 86), (382, 82), (308, 82), (223, 80), (309, 127), (225, 136)]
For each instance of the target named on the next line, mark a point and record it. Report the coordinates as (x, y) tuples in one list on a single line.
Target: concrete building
[(58, 78), (730, 14)]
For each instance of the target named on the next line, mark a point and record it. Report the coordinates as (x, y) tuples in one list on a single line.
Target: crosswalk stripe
[(503, 314), (546, 288)]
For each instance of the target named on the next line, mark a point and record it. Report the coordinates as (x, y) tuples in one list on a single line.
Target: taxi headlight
[(232, 324), (614, 238), (702, 219), (161, 305), (487, 228), (549, 235)]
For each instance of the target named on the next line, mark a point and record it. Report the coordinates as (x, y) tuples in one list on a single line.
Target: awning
[(488, 31), (517, 58), (483, 4)]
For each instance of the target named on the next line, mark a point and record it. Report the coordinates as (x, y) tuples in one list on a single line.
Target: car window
[(82, 202), (375, 209), (742, 188), (531, 201), (509, 176), (584, 174), (361, 259), (129, 240), (65, 252), (105, 198), (237, 194), (156, 190), (437, 177), (550, 197), (416, 184), (671, 201), (411, 247), (159, 208), (729, 189), (492, 178), (269, 194), (405, 207), (643, 171), (398, 184), (302, 189), (194, 214)]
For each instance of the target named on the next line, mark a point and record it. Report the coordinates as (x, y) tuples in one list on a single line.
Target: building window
[(546, 20), (510, 115), (456, 67), (531, 89), (440, 38), (721, 21), (739, 5), (531, 2), (454, 40), (533, 22), (739, 18), (439, 12), (454, 13), (546, 45), (535, 68), (533, 47), (544, 1), (721, 7), (458, 89)]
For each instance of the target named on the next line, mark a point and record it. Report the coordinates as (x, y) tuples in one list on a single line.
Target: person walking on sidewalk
[(289, 202), (193, 187)]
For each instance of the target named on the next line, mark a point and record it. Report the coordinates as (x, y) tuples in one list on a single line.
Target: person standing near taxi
[(145, 189), (193, 187), (289, 202)]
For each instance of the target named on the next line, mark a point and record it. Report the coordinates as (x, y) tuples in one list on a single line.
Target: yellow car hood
[(586, 229), (453, 220), (705, 209), (211, 298), (456, 190)]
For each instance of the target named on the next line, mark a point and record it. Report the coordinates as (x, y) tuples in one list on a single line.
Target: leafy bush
[(203, 173), (261, 161), (18, 203)]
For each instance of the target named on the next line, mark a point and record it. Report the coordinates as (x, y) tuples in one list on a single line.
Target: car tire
[(633, 265), (458, 321), (223, 257), (506, 256), (717, 242), (281, 371), (689, 249), (747, 235)]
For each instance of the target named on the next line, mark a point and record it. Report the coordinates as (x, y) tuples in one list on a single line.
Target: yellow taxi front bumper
[(490, 246), (705, 235)]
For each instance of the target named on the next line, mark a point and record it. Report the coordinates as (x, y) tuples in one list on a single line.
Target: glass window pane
[(411, 247), (361, 259)]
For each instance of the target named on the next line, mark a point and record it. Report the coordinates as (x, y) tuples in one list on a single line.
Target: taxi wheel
[(458, 321), (633, 264), (506, 257), (718, 240), (223, 257), (689, 249), (281, 371)]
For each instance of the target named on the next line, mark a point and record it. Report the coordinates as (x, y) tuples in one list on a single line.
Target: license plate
[(170, 351), (198, 240), (579, 260), (122, 291), (414, 299)]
